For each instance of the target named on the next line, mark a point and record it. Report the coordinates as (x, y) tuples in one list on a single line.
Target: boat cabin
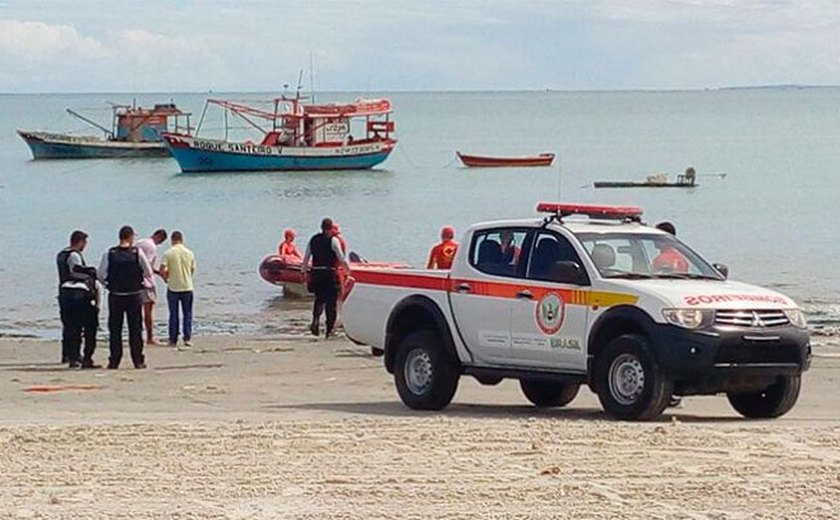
[(139, 125)]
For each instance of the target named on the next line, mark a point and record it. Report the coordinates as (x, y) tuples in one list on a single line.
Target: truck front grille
[(751, 318)]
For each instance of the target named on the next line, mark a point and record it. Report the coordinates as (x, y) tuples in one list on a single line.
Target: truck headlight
[(686, 318), (796, 317)]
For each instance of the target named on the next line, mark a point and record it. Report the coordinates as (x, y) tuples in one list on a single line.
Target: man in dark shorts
[(122, 270), (324, 249), (77, 295)]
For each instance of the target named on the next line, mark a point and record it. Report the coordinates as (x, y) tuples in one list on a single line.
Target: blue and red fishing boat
[(294, 136), (135, 132)]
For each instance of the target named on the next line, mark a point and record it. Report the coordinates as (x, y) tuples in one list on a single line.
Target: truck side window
[(548, 250), (498, 251)]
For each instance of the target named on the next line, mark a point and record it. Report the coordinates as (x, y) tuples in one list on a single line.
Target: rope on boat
[(413, 165)]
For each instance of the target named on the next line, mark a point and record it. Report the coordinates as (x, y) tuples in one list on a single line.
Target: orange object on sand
[(43, 389)]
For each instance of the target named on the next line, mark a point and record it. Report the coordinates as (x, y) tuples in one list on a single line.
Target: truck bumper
[(724, 359)]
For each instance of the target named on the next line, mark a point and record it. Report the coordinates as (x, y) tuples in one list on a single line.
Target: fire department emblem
[(551, 309)]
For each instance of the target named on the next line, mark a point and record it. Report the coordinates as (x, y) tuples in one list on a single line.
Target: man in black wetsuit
[(77, 303), (324, 249), (122, 270)]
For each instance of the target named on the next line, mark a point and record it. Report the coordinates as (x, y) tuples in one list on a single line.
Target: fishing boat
[(294, 136), (660, 180), (288, 272), (485, 161), (135, 132)]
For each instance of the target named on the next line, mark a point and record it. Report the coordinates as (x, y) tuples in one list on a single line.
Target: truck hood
[(702, 294)]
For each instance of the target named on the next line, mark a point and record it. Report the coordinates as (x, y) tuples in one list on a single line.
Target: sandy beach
[(290, 427)]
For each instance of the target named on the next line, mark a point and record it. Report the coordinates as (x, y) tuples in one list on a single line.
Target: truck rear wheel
[(426, 375), (629, 382), (774, 401), (546, 394)]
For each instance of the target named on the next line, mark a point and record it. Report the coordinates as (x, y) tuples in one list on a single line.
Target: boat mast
[(91, 122)]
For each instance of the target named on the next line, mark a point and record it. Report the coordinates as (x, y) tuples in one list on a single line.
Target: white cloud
[(41, 41)]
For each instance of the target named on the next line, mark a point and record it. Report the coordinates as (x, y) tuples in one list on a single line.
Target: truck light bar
[(591, 210)]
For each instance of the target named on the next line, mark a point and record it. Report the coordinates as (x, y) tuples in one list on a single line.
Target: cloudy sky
[(387, 45)]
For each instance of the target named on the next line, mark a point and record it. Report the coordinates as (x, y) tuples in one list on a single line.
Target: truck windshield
[(636, 256)]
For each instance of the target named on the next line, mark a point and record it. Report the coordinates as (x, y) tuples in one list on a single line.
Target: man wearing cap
[(442, 254), (122, 270)]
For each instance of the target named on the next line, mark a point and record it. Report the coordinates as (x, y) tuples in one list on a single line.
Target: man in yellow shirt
[(177, 268)]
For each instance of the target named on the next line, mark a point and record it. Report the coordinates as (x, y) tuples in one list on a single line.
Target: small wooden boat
[(632, 184), (660, 180), (480, 161)]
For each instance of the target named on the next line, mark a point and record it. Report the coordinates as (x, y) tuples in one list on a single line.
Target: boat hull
[(477, 161), (209, 155), (621, 184), (61, 146), (289, 273)]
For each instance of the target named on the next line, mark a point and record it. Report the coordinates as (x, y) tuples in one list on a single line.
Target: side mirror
[(566, 271), (722, 269)]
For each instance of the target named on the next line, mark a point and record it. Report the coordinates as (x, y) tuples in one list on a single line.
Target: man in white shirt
[(148, 296)]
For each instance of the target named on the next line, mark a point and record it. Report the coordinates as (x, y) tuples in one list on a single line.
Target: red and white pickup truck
[(586, 295)]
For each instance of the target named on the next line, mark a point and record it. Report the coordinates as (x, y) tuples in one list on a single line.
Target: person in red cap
[(287, 248), (442, 254)]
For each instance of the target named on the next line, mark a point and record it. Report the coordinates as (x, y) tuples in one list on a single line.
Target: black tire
[(547, 394), (774, 401), (426, 375), (629, 382)]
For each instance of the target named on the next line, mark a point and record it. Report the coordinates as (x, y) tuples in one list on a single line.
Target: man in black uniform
[(77, 303), (122, 270), (324, 249)]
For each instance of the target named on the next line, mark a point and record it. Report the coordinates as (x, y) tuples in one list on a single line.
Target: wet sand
[(288, 427)]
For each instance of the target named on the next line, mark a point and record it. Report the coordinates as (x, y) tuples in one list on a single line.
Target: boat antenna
[(299, 84), (311, 80)]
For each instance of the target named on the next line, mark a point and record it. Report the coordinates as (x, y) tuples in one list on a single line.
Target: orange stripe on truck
[(486, 288)]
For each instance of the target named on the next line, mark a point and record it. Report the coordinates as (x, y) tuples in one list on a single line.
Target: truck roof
[(575, 225)]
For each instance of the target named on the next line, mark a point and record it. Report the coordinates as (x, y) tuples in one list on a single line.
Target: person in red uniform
[(442, 254), (287, 248), (669, 259), (337, 234)]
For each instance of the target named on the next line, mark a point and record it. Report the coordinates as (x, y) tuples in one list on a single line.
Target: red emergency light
[(591, 210)]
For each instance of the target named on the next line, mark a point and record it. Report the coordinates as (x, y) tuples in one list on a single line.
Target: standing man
[(77, 303), (122, 270), (324, 249), (148, 246), (178, 268), (442, 254)]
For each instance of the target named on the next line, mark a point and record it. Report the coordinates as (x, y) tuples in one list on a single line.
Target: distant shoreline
[(782, 87)]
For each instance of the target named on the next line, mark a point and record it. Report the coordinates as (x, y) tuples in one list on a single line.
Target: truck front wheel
[(629, 382), (774, 401), (546, 394), (426, 375)]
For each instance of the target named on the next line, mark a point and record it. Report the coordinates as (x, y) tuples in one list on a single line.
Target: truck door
[(549, 319), (482, 291)]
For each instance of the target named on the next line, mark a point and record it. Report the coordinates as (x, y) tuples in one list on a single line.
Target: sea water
[(771, 218)]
